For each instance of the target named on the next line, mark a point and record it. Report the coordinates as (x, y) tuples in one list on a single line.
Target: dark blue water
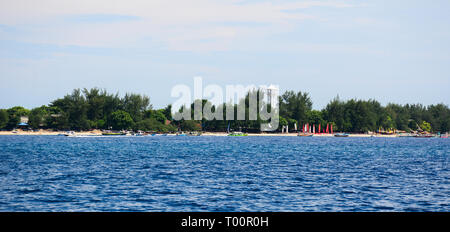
[(51, 173)]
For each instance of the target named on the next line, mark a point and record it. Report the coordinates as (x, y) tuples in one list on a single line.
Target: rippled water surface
[(52, 173)]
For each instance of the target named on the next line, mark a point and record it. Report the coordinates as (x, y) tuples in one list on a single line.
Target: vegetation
[(4, 118), (120, 120), (14, 115), (96, 109)]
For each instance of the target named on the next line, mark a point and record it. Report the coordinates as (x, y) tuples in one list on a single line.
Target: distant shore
[(48, 132), (99, 133)]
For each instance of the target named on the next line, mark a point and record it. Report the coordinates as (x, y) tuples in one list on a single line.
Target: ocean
[(196, 174)]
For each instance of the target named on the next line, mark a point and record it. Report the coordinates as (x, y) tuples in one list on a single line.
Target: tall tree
[(295, 106), (4, 118), (37, 117), (120, 120), (14, 114), (136, 105)]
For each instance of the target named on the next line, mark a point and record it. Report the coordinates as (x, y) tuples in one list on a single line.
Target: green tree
[(14, 114), (439, 117), (95, 104), (120, 120), (315, 117), (158, 115), (101, 124), (4, 118), (37, 117), (136, 105), (334, 112), (292, 123), (151, 124), (75, 107), (168, 112), (56, 119), (283, 121), (399, 115), (426, 126), (295, 106), (190, 125), (388, 123)]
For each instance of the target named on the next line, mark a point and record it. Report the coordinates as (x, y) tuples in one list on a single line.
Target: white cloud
[(198, 25)]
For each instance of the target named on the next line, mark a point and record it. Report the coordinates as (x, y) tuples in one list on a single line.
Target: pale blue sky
[(392, 51)]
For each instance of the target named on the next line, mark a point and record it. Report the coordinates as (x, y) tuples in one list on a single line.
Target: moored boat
[(305, 134), (139, 133), (110, 133), (194, 133), (69, 133), (424, 136), (237, 133)]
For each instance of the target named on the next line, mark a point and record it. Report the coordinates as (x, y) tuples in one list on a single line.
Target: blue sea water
[(53, 173)]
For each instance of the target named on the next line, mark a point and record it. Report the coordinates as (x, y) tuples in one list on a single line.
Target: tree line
[(97, 109)]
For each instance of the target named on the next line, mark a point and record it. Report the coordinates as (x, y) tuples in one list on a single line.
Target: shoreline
[(99, 133)]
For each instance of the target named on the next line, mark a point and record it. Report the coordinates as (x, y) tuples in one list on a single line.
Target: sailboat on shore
[(306, 131)]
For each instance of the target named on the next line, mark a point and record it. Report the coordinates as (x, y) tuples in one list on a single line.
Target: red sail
[(327, 128), (331, 128)]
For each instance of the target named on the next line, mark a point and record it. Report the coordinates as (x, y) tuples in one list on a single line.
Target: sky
[(392, 51)]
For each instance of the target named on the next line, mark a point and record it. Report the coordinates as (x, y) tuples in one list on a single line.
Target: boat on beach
[(237, 133), (310, 130), (192, 133), (113, 133), (424, 136), (139, 133), (305, 134), (181, 134), (69, 134)]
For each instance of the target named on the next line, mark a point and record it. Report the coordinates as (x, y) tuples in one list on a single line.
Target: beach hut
[(22, 125)]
